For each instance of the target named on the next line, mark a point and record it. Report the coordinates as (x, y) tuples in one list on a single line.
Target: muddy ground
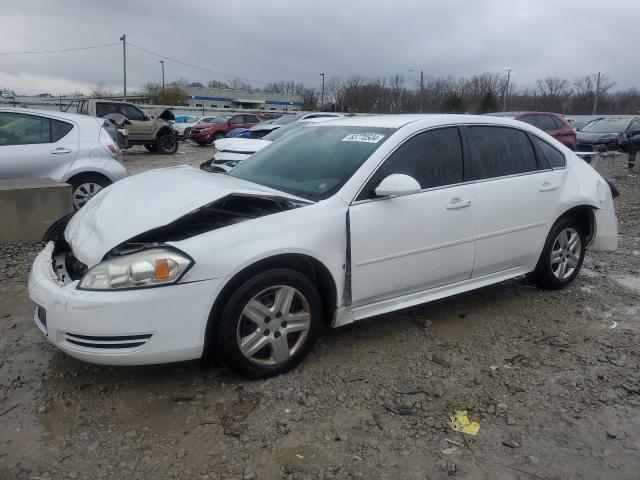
[(551, 377)]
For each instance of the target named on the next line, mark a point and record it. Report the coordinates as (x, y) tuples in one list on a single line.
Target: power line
[(194, 66), (64, 50)]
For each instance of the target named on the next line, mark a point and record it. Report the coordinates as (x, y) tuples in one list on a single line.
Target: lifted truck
[(155, 133)]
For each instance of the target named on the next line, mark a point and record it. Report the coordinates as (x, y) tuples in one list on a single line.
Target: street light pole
[(506, 90), (162, 62), (123, 39), (322, 94)]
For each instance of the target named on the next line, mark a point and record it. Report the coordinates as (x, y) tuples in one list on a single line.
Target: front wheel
[(217, 136), (85, 186), (562, 255), (167, 144), (270, 324)]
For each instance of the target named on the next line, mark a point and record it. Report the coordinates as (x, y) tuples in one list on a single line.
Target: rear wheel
[(562, 256), (85, 186), (167, 144), (270, 324)]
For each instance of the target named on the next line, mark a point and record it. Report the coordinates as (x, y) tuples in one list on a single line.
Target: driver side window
[(434, 158), (132, 113)]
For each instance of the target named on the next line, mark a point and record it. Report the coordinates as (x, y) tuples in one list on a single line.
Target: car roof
[(522, 112), (74, 117), (426, 120)]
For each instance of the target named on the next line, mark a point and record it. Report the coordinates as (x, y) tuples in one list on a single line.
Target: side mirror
[(397, 184)]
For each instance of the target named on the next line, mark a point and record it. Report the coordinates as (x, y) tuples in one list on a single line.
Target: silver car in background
[(66, 147)]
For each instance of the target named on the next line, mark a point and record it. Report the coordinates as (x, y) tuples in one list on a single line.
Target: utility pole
[(123, 39), (162, 62), (595, 96), (322, 94), (506, 90), (421, 87)]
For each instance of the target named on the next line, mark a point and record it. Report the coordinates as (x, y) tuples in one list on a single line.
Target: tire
[(187, 132), (217, 136), (151, 147), (85, 186), (553, 275), (167, 144), (202, 144), (273, 351)]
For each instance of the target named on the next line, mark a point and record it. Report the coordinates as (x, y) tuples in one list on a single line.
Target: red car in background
[(206, 133), (553, 123)]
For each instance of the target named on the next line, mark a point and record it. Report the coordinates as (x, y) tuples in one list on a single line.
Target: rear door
[(34, 146), (516, 194)]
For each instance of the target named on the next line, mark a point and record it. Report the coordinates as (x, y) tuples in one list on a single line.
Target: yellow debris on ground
[(460, 423)]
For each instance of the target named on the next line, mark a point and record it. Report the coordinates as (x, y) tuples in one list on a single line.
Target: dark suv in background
[(553, 123), (611, 134)]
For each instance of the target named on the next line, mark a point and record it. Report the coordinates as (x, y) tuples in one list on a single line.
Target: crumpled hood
[(595, 137), (149, 200), (240, 145)]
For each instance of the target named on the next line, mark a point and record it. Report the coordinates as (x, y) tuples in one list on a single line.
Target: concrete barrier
[(29, 206), (611, 164)]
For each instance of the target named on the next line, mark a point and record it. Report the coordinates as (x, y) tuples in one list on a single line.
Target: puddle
[(630, 282)]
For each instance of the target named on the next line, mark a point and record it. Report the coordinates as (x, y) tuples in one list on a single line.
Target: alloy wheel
[(273, 325), (565, 253), (84, 192)]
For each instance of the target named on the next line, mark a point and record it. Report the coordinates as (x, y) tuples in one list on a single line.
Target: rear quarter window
[(59, 129), (554, 157)]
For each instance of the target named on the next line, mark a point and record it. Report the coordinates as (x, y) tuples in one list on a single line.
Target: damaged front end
[(229, 210)]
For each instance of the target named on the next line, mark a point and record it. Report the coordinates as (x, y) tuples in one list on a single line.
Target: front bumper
[(132, 327)]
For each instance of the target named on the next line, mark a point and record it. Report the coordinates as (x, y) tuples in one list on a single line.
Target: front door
[(141, 127), (419, 241)]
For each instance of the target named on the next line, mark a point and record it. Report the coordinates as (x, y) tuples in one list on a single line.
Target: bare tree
[(101, 91)]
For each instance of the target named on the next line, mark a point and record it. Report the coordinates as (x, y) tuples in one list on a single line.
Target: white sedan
[(332, 224)]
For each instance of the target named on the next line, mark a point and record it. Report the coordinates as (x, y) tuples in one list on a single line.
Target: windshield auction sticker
[(363, 137)]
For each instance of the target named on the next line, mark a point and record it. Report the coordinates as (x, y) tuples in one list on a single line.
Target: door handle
[(457, 203), (547, 187), (60, 150)]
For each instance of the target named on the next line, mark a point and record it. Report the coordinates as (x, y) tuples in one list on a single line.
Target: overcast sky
[(297, 40)]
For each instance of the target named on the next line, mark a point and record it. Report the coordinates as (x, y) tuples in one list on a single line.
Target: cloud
[(292, 39)]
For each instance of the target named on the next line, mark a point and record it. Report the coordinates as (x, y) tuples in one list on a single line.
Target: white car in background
[(263, 128), (182, 129), (334, 223), (66, 147), (231, 151)]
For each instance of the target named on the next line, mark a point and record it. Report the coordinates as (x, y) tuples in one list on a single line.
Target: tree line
[(479, 93)]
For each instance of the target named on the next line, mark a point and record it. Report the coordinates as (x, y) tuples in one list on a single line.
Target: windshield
[(613, 125), (313, 162), (282, 131)]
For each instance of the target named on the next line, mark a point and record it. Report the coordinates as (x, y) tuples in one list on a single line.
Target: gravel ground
[(551, 377)]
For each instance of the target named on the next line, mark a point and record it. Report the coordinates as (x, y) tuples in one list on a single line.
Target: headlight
[(148, 268)]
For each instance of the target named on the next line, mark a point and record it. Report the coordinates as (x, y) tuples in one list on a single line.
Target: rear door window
[(59, 129), (546, 123), (19, 129), (103, 109), (530, 119), (434, 158), (501, 151)]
